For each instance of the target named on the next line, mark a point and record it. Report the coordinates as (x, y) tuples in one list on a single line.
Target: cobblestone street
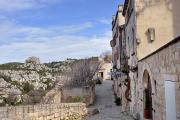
[(105, 104)]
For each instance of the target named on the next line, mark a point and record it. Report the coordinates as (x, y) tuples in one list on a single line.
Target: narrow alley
[(105, 104)]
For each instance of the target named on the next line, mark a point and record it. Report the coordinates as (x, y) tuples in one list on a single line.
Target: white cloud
[(11, 5), (12, 32), (76, 28), (105, 21), (50, 44), (57, 48)]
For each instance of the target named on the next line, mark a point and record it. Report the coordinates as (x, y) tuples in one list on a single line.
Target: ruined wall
[(68, 111), (163, 67), (86, 94)]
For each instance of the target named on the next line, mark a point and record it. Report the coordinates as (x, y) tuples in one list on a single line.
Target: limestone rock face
[(19, 79), (38, 80), (15, 83)]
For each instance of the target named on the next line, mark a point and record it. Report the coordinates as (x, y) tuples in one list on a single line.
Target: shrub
[(50, 84), (76, 99), (73, 99), (6, 78), (26, 87)]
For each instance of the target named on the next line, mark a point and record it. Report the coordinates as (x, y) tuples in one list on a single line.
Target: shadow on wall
[(176, 17)]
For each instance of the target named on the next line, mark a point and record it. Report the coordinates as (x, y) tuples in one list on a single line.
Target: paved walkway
[(105, 104)]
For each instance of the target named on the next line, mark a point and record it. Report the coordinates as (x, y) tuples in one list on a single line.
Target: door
[(170, 100)]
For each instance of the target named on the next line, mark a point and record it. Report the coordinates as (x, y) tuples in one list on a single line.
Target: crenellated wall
[(66, 111)]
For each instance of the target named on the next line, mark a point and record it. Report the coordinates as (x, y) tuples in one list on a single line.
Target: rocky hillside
[(20, 82)]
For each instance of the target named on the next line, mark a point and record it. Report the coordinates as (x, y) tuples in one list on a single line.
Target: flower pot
[(147, 114)]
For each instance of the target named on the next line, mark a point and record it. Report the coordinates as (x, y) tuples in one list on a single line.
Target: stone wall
[(86, 94), (66, 111), (163, 67)]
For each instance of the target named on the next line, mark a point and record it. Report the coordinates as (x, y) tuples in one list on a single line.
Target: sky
[(54, 30)]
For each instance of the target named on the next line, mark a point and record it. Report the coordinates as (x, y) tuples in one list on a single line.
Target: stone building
[(118, 49), (158, 53), (131, 45), (151, 34), (104, 72)]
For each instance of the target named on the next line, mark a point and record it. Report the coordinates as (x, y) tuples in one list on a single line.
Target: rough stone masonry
[(65, 111)]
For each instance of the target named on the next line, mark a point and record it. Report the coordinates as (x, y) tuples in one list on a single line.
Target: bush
[(13, 100), (50, 84), (6, 78), (26, 87), (74, 99)]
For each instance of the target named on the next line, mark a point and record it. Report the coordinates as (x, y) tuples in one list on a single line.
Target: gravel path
[(105, 104)]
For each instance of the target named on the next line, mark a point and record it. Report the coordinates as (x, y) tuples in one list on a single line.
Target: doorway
[(147, 96)]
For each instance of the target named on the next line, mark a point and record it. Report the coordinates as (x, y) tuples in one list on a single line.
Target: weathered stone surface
[(66, 111), (169, 70)]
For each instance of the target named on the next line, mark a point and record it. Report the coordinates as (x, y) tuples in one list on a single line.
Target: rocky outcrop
[(18, 79), (24, 78)]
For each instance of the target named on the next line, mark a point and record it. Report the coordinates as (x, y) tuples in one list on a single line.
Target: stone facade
[(157, 60), (118, 50), (163, 67), (66, 111), (117, 24), (151, 33), (131, 45), (156, 24), (104, 72)]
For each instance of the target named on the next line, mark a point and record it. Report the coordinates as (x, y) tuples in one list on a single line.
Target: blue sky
[(54, 29)]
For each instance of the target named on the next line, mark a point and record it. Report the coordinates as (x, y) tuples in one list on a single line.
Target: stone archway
[(147, 96)]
